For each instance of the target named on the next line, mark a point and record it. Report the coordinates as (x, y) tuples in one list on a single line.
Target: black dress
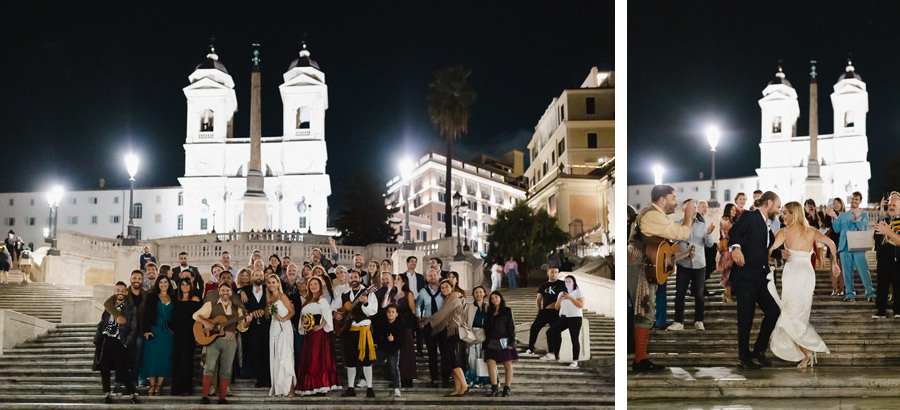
[(183, 347)]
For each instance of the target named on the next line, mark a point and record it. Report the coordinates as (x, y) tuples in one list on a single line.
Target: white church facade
[(209, 197), (785, 158)]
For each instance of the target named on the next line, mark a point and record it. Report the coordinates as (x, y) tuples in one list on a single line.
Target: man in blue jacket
[(854, 220)]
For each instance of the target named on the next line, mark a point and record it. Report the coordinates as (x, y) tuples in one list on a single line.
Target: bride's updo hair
[(766, 196), (796, 210)]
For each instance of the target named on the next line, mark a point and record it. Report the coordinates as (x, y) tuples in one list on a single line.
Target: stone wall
[(16, 328)]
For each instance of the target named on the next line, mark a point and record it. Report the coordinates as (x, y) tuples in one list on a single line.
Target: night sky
[(691, 63), (82, 83)]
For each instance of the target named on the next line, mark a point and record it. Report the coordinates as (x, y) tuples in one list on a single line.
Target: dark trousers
[(544, 317), (115, 357), (446, 346), (554, 335), (685, 277), (432, 344), (393, 365), (749, 294), (711, 252), (888, 274), (256, 347)]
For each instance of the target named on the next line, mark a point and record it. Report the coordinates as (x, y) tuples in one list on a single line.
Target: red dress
[(317, 372)]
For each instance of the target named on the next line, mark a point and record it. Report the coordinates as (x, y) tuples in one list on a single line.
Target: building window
[(473, 224), (421, 236), (848, 123), (137, 232), (442, 217), (180, 198), (10, 221), (11, 202), (440, 180), (115, 200), (93, 200), (498, 198), (440, 197), (590, 105), (776, 125), (485, 193), (138, 210), (206, 122), (73, 220), (545, 168), (561, 147), (470, 188), (74, 201), (473, 205), (417, 202), (180, 225), (727, 195), (114, 219), (203, 224), (592, 140), (94, 220), (158, 218), (302, 223), (486, 228), (30, 221), (158, 199), (485, 209), (303, 114), (31, 201)]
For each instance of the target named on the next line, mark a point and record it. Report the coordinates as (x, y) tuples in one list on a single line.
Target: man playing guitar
[(651, 222), (359, 347), (220, 353)]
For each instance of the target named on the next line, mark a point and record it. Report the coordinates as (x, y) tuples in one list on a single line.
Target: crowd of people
[(750, 242), (283, 324)]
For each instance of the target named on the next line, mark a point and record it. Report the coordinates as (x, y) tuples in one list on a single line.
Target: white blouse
[(319, 308)]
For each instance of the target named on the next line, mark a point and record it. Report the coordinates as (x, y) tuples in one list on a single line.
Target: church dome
[(780, 79), (212, 61), (850, 73), (304, 60)]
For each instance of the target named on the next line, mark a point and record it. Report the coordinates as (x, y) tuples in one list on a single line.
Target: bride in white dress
[(281, 340), (794, 338)]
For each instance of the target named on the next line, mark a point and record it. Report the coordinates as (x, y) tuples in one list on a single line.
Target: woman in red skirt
[(317, 373)]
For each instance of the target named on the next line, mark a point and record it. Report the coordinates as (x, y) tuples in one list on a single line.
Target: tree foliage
[(363, 217), (448, 106), (521, 232)]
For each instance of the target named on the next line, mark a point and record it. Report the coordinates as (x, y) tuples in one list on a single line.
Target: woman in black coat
[(499, 341), (183, 345)]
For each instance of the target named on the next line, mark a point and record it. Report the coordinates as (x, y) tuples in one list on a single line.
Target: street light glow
[(131, 163), (712, 135), (406, 168), (657, 174), (54, 195)]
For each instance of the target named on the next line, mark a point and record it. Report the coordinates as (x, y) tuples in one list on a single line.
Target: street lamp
[(406, 168), (712, 135), (309, 219), (657, 174), (458, 203), (53, 197), (466, 247), (131, 164)]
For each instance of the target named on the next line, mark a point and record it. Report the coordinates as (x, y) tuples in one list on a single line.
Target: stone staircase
[(702, 364), (53, 371), (40, 300)]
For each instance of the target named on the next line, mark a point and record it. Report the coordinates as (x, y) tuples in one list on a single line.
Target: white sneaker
[(878, 317), (528, 351), (396, 392), (699, 326), (548, 356), (574, 365), (361, 383), (675, 326)]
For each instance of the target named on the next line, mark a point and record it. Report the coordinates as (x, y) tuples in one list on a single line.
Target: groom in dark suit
[(749, 241)]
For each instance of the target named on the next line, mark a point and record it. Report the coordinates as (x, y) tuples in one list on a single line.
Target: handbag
[(466, 334), (858, 241), (723, 245)]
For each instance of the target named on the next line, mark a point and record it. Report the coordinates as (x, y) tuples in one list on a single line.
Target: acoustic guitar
[(340, 326), (663, 254), (205, 337)]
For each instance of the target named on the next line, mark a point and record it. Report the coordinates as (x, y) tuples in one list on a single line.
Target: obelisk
[(254, 216), (814, 186)]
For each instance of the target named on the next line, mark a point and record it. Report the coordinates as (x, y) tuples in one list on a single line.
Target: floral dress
[(724, 265)]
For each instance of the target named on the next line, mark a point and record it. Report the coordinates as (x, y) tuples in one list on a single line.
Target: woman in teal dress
[(156, 312)]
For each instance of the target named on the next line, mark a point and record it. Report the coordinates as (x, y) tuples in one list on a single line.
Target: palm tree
[(448, 107)]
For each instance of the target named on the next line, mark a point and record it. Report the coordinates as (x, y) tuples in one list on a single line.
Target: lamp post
[(466, 247), (657, 174), (712, 135), (53, 197), (131, 163), (406, 167), (458, 203), (309, 219)]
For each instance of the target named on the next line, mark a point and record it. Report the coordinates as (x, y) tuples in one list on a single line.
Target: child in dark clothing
[(392, 335)]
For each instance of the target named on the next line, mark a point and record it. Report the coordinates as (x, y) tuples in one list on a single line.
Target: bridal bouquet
[(272, 310)]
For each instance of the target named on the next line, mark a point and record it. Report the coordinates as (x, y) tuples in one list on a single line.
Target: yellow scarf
[(365, 340)]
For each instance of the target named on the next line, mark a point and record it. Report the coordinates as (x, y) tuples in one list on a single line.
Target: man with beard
[(358, 262), (438, 265), (220, 353), (224, 278), (146, 257), (183, 266), (358, 343), (150, 276), (428, 302), (114, 342), (135, 294), (256, 339)]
